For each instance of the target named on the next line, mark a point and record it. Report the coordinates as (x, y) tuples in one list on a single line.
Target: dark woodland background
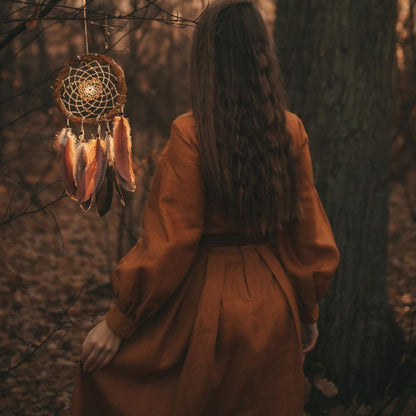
[(350, 71)]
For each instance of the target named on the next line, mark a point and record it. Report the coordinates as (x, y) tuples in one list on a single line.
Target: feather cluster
[(90, 168)]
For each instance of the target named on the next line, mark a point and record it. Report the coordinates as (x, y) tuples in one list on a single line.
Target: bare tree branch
[(23, 26)]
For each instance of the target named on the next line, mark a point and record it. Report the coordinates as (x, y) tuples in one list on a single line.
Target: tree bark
[(337, 58)]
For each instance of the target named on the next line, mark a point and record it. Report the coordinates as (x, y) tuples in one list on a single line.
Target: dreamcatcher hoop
[(90, 89)]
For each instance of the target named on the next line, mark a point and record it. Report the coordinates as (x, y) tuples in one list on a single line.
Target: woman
[(212, 304)]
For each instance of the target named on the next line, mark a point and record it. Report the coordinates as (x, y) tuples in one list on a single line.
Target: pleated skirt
[(226, 343)]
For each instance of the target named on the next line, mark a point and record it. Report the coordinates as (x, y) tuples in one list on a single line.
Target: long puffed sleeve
[(173, 222), (306, 247)]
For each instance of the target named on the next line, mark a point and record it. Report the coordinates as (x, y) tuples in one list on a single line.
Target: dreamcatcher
[(91, 91)]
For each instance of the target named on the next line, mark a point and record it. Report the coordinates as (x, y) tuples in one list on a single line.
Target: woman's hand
[(310, 335), (99, 347)]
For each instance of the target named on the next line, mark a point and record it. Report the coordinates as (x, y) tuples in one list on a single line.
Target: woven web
[(89, 90)]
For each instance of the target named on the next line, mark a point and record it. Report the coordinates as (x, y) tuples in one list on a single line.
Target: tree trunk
[(337, 58)]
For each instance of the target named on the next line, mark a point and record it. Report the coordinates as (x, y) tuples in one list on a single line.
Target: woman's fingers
[(109, 357), (310, 335), (103, 359), (305, 348), (100, 358), (86, 349), (311, 342), (99, 347), (96, 351), (308, 348)]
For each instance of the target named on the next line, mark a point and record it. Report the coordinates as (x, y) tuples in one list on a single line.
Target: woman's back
[(216, 219)]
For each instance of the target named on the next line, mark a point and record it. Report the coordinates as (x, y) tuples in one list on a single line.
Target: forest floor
[(55, 279)]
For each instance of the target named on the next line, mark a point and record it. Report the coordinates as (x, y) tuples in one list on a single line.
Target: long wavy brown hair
[(238, 103)]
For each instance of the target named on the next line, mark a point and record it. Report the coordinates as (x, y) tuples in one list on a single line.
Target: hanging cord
[(85, 27)]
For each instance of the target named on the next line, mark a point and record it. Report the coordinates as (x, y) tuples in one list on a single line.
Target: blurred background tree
[(338, 63)]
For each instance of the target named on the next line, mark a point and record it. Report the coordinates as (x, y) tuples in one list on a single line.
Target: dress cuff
[(309, 315), (119, 323)]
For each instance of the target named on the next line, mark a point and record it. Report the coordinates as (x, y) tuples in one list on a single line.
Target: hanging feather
[(110, 146), (86, 168), (85, 206), (80, 176), (123, 163), (65, 145), (101, 157), (119, 190), (91, 169), (104, 196)]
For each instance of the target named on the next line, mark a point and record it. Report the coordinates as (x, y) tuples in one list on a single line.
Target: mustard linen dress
[(210, 331)]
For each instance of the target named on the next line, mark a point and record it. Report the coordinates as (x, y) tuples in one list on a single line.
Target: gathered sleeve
[(173, 221), (306, 247)]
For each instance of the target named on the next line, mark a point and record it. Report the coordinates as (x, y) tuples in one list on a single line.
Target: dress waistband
[(229, 239)]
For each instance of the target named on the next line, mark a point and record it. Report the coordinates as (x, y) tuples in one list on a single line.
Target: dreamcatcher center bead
[(90, 89)]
